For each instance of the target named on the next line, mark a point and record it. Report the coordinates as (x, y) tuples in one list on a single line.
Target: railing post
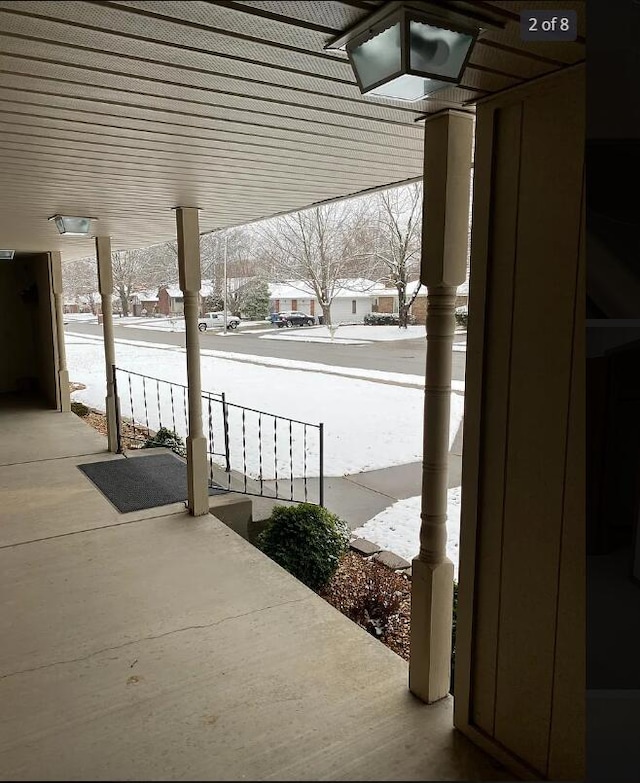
[(225, 424), (114, 376), (321, 455)]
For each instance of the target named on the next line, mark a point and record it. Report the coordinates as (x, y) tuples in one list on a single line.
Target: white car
[(215, 320)]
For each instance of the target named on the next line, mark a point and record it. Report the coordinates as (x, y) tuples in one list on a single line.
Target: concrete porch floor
[(156, 646)]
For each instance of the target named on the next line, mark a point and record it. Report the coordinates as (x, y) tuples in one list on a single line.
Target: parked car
[(294, 318), (213, 320)]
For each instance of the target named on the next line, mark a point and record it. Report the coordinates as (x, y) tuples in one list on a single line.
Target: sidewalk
[(359, 497)]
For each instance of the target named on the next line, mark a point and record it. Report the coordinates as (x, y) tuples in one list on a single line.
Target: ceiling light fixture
[(403, 53), (73, 226), (6, 255)]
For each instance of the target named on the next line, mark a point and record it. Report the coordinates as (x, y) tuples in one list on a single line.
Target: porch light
[(6, 255), (73, 226), (403, 53)]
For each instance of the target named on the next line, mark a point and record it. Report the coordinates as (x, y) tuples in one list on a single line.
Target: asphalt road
[(402, 356)]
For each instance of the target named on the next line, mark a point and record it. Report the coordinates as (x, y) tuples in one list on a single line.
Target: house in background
[(351, 302), (71, 306), (385, 299), (144, 303), (170, 300)]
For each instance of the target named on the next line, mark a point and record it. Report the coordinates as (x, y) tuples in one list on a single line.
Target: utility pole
[(224, 293)]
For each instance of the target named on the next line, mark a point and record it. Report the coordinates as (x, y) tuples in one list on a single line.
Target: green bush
[(167, 438), (387, 319), (306, 540), (462, 316), (79, 408)]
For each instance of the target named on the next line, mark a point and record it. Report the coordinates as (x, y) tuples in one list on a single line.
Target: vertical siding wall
[(521, 652)]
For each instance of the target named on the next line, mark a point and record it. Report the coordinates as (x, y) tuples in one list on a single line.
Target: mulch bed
[(98, 421), (372, 595), (375, 597)]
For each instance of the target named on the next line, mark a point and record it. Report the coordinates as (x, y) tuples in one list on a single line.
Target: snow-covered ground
[(71, 317), (368, 425), (406, 379), (347, 334), (397, 528)]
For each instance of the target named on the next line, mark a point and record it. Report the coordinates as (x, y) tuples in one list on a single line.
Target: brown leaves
[(376, 598)]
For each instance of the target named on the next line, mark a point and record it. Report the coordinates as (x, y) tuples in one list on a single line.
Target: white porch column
[(447, 172), (189, 270), (105, 287), (63, 373)]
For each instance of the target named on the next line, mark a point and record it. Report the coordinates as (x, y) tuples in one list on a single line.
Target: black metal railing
[(249, 451)]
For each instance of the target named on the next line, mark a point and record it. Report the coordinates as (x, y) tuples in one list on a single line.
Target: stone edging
[(370, 551)]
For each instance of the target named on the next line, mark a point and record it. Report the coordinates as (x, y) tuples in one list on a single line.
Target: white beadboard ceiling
[(123, 110)]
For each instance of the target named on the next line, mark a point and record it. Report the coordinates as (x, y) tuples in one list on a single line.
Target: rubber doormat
[(142, 482)]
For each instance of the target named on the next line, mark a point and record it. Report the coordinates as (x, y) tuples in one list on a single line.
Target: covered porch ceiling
[(123, 110)]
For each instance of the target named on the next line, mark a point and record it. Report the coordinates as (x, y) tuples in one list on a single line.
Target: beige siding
[(523, 482)]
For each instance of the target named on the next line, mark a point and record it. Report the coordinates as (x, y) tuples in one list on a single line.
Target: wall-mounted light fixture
[(73, 226), (6, 255), (405, 53)]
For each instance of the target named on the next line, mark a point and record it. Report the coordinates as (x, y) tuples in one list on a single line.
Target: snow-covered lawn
[(397, 528), (368, 425), (172, 323), (165, 324), (348, 334), (71, 317)]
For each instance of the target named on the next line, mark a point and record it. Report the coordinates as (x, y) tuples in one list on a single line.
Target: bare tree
[(80, 280), (316, 248), (239, 245), (136, 270), (397, 238), (125, 276)]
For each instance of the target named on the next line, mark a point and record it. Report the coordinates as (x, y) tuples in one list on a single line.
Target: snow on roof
[(146, 296), (299, 289), (379, 290), (206, 288), (173, 291)]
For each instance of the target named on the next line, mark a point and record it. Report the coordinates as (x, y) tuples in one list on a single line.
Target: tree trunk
[(403, 307), (326, 314), (124, 301)]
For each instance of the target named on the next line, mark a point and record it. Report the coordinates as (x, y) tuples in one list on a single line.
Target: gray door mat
[(142, 482)]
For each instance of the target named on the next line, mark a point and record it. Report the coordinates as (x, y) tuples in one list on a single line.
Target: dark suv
[(293, 318)]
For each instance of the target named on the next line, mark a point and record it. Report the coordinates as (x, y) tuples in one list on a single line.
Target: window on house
[(354, 305), (374, 306)]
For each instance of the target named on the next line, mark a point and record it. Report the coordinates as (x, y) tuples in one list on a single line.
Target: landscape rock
[(391, 560), (364, 547)]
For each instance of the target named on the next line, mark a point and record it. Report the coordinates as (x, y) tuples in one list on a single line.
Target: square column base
[(112, 424), (431, 623), (197, 482), (65, 395)]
